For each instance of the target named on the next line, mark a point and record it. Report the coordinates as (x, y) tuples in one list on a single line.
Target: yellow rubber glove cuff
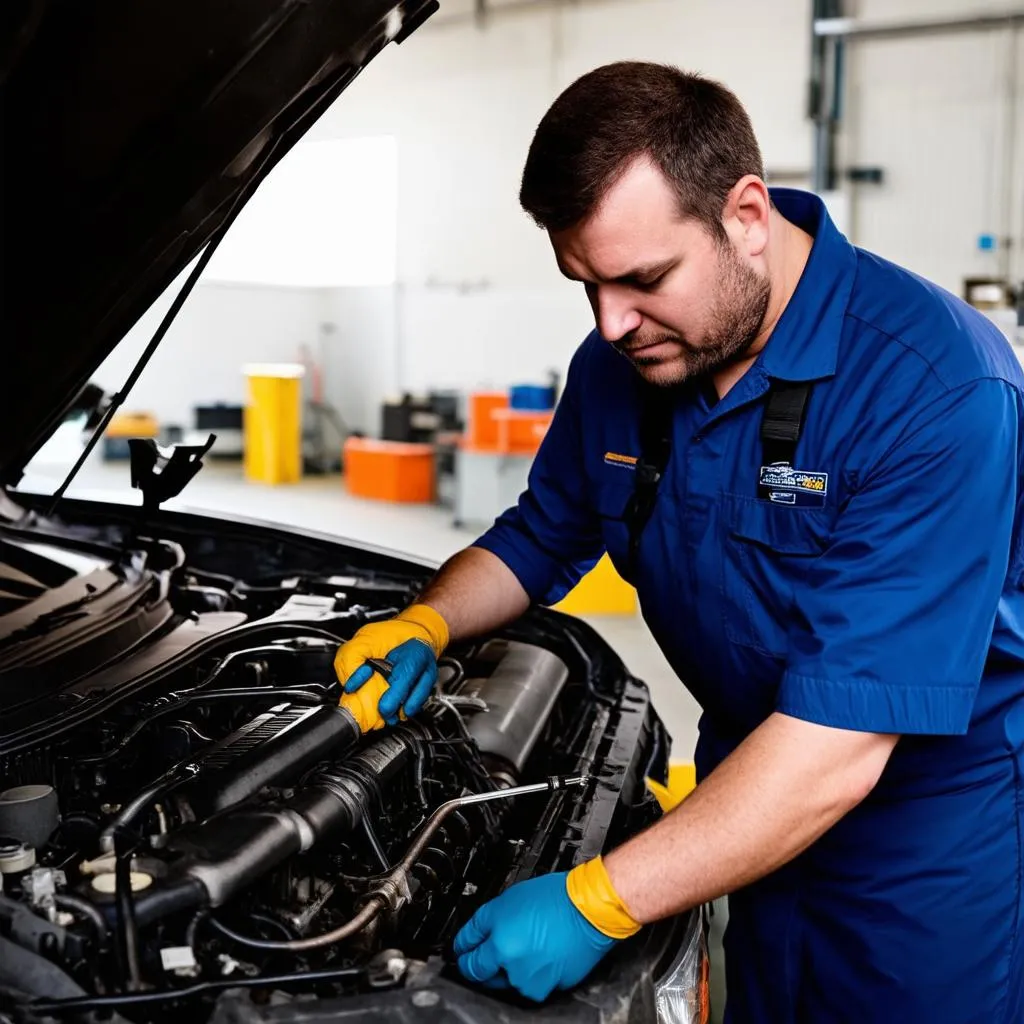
[(433, 625), (591, 892)]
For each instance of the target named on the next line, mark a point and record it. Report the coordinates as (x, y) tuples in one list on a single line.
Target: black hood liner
[(127, 131)]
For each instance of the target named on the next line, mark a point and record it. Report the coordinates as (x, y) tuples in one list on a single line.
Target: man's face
[(677, 302)]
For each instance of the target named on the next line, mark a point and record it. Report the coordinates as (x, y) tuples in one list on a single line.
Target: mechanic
[(808, 461)]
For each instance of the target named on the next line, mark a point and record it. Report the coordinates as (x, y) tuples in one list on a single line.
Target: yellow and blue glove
[(412, 642), (544, 934)]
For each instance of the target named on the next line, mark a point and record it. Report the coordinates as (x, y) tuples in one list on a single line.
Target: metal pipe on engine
[(393, 888), (392, 891), (230, 851)]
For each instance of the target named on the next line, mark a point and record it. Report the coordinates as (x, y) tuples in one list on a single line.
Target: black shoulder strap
[(655, 450), (783, 420)]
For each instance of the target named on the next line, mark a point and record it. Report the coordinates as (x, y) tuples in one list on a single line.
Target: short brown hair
[(695, 130)]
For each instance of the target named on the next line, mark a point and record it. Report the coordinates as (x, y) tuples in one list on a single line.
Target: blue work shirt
[(888, 599)]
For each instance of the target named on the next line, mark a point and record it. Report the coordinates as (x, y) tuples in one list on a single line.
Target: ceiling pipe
[(853, 29)]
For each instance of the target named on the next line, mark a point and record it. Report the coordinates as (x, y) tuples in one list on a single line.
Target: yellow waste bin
[(682, 781), (273, 423), (601, 592)]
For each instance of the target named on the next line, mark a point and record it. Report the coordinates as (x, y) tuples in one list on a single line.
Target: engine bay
[(190, 819)]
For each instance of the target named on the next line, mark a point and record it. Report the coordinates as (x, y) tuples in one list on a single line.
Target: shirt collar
[(805, 342)]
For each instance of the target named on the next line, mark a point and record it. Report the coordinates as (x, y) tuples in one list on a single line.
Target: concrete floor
[(322, 503)]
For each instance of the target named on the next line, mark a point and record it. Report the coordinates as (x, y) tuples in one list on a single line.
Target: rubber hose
[(26, 972), (34, 975), (82, 907), (418, 770), (127, 929)]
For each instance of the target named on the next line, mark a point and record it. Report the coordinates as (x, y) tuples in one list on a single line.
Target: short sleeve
[(894, 627), (553, 535)]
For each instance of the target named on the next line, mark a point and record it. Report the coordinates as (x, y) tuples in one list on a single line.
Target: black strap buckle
[(648, 475)]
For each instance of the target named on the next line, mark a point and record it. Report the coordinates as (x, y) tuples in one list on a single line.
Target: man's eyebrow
[(648, 272)]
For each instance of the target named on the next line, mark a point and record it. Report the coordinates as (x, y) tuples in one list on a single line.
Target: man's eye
[(650, 285)]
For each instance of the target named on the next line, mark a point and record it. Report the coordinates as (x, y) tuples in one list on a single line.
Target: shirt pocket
[(767, 551)]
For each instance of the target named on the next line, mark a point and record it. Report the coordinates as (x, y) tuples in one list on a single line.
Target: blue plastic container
[(531, 397)]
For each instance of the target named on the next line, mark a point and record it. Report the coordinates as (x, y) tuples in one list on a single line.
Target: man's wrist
[(592, 893), (431, 622)]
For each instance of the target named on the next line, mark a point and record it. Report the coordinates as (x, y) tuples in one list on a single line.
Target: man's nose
[(614, 312)]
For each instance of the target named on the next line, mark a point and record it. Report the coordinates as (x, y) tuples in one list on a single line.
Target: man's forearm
[(782, 789), (474, 592)]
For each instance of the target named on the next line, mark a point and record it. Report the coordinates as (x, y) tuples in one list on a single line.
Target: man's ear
[(746, 215)]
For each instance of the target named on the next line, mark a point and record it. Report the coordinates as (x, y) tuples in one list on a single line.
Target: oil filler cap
[(15, 856)]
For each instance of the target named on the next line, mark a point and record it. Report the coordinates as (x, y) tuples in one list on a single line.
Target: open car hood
[(130, 132)]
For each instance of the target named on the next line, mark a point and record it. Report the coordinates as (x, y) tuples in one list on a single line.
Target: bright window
[(325, 217)]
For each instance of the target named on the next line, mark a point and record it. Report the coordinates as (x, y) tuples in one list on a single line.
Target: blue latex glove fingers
[(499, 983), (475, 931), (411, 680), (481, 963), (421, 690), (358, 679), (535, 935), (478, 956)]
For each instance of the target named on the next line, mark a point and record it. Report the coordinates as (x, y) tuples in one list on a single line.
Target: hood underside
[(129, 133)]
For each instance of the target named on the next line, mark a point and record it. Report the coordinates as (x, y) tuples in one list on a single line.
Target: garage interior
[(387, 265), (380, 340), (399, 308)]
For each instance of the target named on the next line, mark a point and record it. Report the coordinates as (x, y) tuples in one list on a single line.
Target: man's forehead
[(641, 184), (635, 228), (640, 204)]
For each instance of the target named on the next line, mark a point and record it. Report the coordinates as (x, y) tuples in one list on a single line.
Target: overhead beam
[(853, 28)]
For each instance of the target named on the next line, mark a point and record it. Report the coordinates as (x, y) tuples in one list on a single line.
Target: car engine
[(187, 817)]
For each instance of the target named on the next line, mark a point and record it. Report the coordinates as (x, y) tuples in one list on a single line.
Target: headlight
[(682, 993)]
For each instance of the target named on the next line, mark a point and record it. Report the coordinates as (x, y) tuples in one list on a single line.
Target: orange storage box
[(389, 470), (520, 432), (133, 424), (483, 427), (495, 427)]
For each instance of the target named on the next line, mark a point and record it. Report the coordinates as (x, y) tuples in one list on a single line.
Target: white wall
[(490, 339), (348, 333), (359, 355), (934, 112), (220, 328), (480, 302)]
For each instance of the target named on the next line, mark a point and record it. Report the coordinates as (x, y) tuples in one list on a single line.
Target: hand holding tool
[(389, 668)]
